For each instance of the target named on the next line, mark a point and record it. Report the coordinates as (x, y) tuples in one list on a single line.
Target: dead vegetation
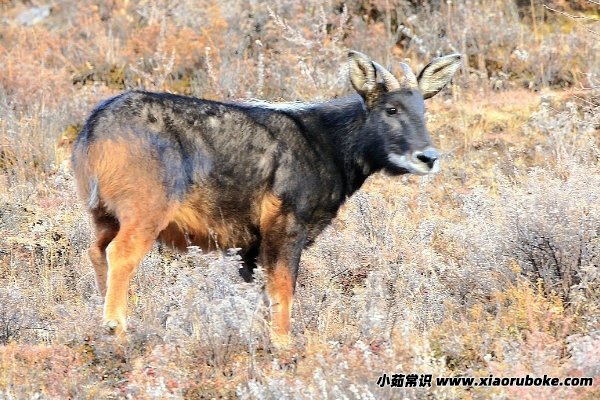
[(490, 267)]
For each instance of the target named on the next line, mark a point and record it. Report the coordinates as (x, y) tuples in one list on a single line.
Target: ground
[(488, 268)]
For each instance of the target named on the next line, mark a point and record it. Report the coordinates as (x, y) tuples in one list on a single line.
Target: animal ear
[(438, 74), (362, 75)]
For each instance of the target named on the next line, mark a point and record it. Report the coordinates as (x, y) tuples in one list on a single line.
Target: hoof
[(113, 328)]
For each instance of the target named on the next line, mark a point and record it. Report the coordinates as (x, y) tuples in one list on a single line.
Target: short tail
[(93, 195), (87, 182)]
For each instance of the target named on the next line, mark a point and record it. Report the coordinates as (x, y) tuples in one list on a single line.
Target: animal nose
[(429, 156)]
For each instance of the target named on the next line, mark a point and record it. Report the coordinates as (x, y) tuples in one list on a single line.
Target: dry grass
[(490, 267)]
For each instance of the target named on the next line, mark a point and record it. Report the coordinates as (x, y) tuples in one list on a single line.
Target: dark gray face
[(399, 118), (397, 111)]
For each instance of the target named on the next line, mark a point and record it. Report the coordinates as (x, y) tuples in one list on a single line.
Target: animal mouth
[(416, 163)]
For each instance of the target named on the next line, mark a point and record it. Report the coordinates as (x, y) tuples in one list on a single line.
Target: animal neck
[(341, 126)]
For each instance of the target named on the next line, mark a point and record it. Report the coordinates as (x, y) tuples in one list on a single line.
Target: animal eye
[(391, 111)]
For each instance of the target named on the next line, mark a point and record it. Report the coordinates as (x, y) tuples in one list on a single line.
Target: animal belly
[(186, 230), (176, 237)]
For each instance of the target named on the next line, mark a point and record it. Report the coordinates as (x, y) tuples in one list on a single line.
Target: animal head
[(396, 110)]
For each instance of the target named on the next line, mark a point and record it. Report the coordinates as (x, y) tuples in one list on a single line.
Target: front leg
[(283, 238)]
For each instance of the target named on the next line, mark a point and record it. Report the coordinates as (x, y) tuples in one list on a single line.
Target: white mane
[(279, 106)]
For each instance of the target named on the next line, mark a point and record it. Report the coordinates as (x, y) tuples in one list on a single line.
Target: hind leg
[(128, 178), (124, 254), (107, 228)]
